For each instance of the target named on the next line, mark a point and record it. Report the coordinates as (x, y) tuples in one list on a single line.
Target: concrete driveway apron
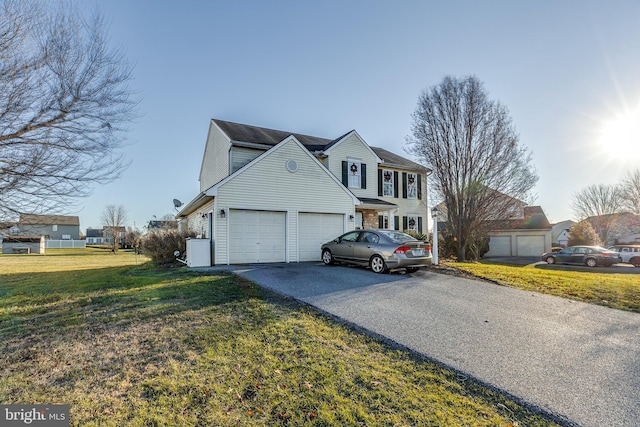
[(577, 361)]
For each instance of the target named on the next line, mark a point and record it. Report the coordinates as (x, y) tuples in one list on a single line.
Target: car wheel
[(591, 262), (550, 260), (327, 257), (635, 262), (412, 269), (377, 264)]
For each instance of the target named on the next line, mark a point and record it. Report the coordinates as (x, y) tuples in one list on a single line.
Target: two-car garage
[(527, 243), (261, 236)]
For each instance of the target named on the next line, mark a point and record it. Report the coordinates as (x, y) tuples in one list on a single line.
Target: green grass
[(621, 291), (135, 345)]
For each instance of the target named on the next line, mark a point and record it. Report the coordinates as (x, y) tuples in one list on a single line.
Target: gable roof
[(238, 132), (32, 219), (213, 190), (391, 159)]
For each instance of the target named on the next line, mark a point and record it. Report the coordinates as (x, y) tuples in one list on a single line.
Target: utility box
[(198, 253)]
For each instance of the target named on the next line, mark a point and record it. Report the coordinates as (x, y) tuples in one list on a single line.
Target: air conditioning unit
[(198, 253)]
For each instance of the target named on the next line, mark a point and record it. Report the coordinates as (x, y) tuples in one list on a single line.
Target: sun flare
[(620, 137)]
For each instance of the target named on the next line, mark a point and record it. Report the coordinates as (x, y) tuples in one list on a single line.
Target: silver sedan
[(381, 250)]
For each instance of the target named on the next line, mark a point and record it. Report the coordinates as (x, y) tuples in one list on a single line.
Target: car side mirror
[(336, 240)]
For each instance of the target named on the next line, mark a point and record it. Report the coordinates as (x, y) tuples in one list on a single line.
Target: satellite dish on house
[(177, 203)]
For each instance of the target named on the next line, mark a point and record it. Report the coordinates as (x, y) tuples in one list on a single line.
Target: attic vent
[(292, 165)]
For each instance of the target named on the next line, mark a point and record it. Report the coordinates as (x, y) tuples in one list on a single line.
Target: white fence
[(65, 244)]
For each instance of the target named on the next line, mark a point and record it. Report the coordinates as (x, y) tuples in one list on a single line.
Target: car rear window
[(397, 236)]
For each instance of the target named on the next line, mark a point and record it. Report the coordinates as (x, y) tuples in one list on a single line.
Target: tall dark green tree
[(480, 170)]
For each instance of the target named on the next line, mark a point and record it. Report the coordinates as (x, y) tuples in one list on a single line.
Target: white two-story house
[(274, 196)]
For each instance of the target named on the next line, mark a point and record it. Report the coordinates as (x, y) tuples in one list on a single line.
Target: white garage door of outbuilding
[(530, 245), (500, 246), (256, 236), (316, 229)]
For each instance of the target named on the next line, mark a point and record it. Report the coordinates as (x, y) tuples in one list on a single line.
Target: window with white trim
[(354, 173), (412, 223), (412, 186), (387, 183)]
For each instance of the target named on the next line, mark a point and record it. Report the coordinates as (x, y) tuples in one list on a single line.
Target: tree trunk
[(461, 253)]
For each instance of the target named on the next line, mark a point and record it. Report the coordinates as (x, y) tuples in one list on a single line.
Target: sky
[(568, 71)]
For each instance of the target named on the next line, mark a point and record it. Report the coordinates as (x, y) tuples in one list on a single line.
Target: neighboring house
[(525, 233), (273, 196), (95, 236), (560, 233), (614, 228), (119, 233), (52, 227), (8, 228), (527, 236)]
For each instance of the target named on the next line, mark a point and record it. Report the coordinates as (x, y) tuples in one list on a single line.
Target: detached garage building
[(529, 236)]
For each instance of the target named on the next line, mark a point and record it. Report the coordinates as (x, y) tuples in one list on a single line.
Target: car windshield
[(397, 236)]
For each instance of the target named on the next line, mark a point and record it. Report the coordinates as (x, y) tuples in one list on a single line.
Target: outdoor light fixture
[(222, 213), (434, 246), (351, 217)]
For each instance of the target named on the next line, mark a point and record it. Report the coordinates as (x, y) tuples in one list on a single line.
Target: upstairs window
[(412, 186), (354, 173), (387, 183)]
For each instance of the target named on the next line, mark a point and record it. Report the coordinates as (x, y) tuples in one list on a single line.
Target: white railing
[(65, 244)]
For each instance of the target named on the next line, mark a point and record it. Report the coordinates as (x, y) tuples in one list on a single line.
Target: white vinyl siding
[(354, 148), (267, 185), (240, 156), (316, 229), (215, 161)]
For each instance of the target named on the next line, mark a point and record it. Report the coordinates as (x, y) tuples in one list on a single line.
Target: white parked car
[(629, 253)]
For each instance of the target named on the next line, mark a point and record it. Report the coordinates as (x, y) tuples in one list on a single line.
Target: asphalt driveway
[(577, 361)]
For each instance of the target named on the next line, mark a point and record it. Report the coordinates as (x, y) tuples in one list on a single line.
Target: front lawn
[(135, 345), (621, 291)]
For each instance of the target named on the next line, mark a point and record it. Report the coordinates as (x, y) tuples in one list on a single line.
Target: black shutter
[(420, 224), (404, 185), (380, 222), (396, 222), (363, 175), (345, 173), (419, 186), (379, 182), (395, 184), (404, 223)]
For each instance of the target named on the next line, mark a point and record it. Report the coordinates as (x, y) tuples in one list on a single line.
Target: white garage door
[(316, 229), (256, 236), (499, 246), (530, 245)]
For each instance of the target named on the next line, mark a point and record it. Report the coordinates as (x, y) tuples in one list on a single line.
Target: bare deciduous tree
[(470, 143), (64, 106), (630, 191), (599, 202), (114, 219)]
